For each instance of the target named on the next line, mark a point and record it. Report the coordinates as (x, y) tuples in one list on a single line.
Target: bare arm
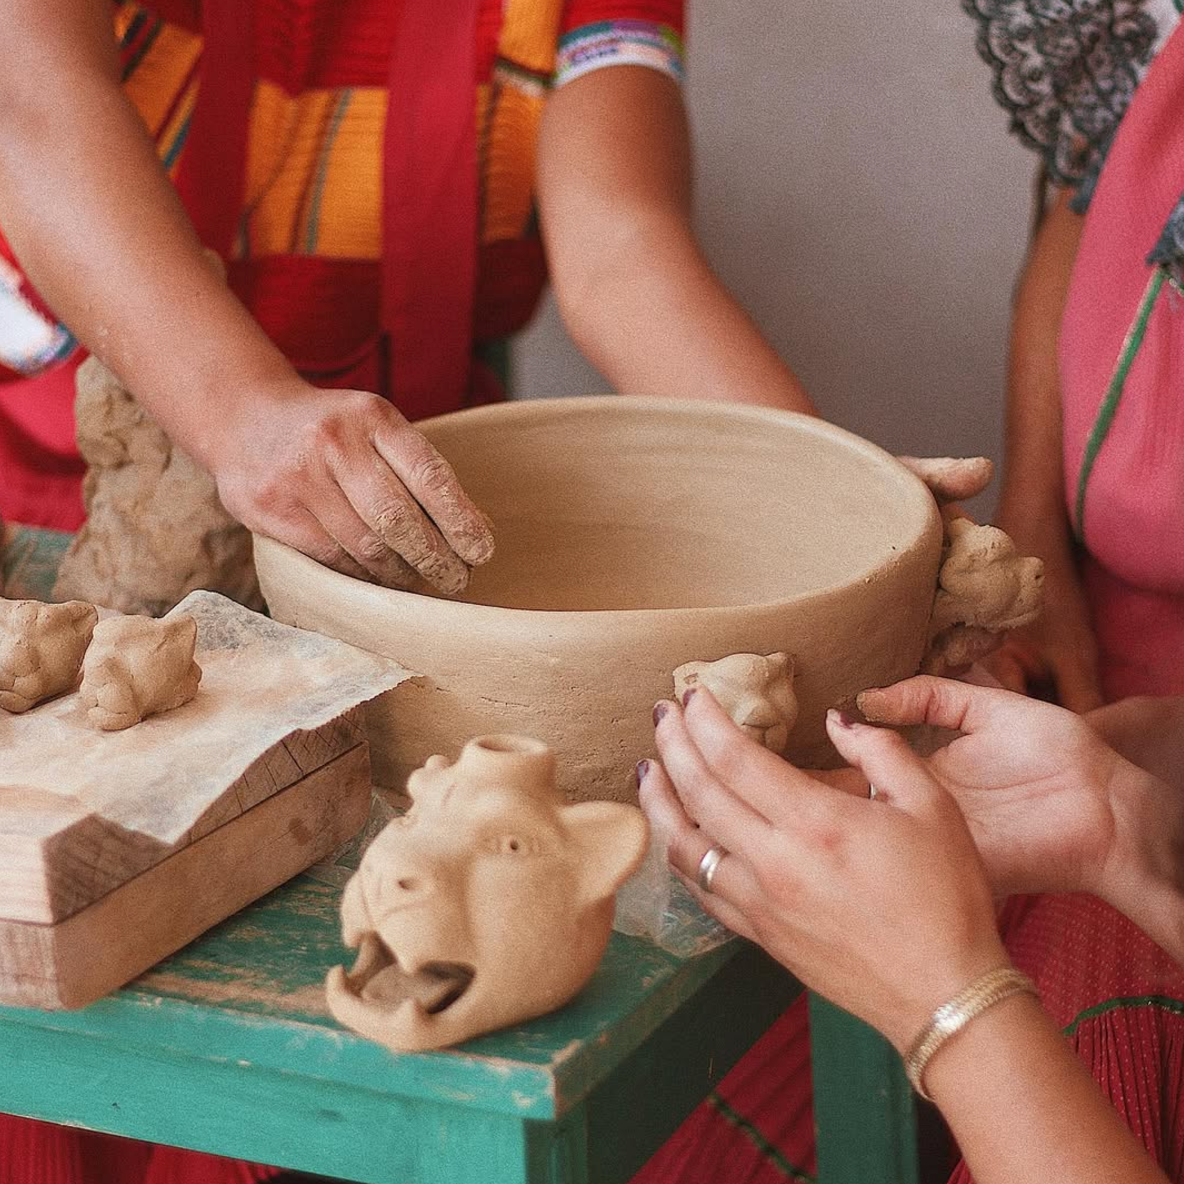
[(1060, 647), (639, 298), (103, 236), (1022, 1106)]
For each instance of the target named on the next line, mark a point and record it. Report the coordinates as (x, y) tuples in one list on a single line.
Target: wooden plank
[(57, 856), (74, 962)]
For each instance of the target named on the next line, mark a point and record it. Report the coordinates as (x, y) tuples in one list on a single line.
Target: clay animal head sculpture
[(756, 692), (137, 667), (490, 902), (41, 649), (984, 588)]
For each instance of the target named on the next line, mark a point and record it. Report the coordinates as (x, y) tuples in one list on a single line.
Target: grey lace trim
[(1066, 70)]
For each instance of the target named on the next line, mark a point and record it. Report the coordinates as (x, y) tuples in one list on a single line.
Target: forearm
[(101, 232), (1022, 1106), (638, 296), (657, 320), (1143, 873), (1033, 477)]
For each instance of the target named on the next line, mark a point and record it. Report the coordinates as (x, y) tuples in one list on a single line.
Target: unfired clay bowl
[(634, 535)]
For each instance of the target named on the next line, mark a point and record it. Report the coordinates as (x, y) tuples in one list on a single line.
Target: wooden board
[(58, 855), (76, 961)]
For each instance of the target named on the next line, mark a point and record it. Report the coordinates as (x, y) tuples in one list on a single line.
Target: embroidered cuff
[(28, 342), (619, 43)]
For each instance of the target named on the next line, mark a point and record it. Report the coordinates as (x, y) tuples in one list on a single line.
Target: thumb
[(945, 702), (884, 758)]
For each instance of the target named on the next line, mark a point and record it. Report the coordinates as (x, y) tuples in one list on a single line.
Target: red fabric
[(758, 1125), (429, 207), (38, 1153)]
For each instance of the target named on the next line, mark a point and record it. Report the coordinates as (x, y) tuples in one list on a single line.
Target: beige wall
[(858, 191)]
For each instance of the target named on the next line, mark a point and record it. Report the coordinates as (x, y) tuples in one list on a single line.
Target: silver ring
[(708, 866), (872, 792)]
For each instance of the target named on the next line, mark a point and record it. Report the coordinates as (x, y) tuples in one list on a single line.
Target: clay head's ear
[(779, 664), (182, 626), (612, 839)]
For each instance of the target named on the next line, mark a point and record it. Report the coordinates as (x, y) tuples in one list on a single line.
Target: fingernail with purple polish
[(687, 695), (843, 718), (643, 767), (660, 709)]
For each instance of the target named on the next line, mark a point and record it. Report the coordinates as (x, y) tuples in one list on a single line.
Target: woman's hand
[(343, 477), (1036, 783), (880, 905)]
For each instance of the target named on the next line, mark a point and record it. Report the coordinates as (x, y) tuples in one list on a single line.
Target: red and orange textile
[(333, 215)]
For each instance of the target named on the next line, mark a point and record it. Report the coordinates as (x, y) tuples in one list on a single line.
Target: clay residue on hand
[(137, 667), (41, 649)]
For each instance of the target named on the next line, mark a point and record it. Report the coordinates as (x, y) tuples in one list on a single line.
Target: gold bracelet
[(949, 1019)]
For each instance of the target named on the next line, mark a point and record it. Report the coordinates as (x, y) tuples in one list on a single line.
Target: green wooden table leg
[(647, 1100), (863, 1106)]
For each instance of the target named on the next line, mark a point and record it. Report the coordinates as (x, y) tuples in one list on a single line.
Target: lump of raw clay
[(489, 903), (756, 692), (41, 649), (137, 667), (155, 529), (984, 588)]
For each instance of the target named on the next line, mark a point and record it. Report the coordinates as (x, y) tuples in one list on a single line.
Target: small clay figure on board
[(984, 588), (756, 692), (41, 649), (490, 902), (137, 667)]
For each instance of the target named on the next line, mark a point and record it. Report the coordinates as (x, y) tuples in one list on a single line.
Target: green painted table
[(227, 1047)]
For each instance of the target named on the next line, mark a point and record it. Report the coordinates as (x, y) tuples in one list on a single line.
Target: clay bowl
[(634, 535)]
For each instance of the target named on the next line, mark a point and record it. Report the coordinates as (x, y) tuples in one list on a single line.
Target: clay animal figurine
[(756, 692), (984, 589), (155, 528), (137, 667), (489, 903), (41, 649)]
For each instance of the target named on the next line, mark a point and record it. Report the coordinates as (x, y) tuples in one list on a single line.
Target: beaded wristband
[(949, 1019)]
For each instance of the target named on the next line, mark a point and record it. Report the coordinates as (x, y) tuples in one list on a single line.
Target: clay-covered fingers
[(760, 778), (706, 799), (395, 530), (950, 478), (357, 550), (687, 844), (432, 483), (304, 532)]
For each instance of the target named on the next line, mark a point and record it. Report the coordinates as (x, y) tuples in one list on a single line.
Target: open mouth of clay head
[(379, 979)]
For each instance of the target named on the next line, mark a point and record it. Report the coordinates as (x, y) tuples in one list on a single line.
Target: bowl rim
[(920, 502)]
